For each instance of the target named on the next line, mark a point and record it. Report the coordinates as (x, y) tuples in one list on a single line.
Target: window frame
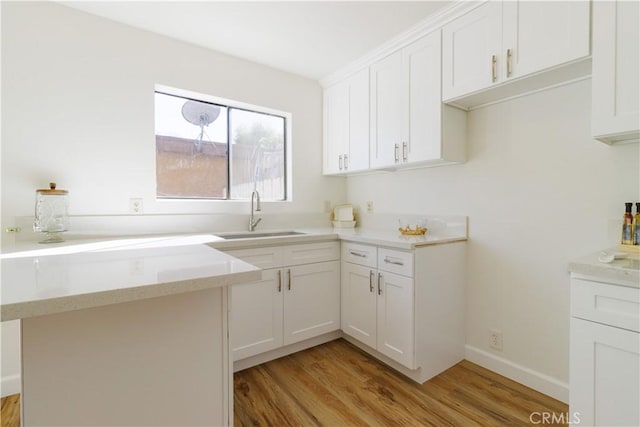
[(238, 105)]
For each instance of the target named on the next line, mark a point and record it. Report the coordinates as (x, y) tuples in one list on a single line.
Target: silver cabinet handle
[(346, 161), (371, 281), (379, 283), (355, 253), (340, 162), (279, 281), (405, 153), (392, 261), (494, 74), (509, 63), (289, 279), (396, 153)]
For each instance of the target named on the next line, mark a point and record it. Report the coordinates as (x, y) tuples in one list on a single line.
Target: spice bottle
[(636, 224), (627, 225)]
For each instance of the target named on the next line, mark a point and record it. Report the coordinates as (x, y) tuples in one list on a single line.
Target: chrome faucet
[(254, 222)]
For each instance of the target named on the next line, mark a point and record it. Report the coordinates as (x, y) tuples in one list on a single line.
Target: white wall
[(538, 192), (77, 97)]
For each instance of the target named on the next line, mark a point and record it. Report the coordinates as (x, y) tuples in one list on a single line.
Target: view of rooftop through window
[(206, 150)]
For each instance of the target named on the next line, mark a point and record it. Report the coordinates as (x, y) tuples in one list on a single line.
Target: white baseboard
[(10, 385), (533, 379)]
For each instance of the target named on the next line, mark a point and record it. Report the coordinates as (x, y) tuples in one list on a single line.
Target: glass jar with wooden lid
[(51, 213)]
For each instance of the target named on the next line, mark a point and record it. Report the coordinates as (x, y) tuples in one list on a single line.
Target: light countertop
[(394, 239), (390, 239), (624, 271), (82, 273), (75, 276)]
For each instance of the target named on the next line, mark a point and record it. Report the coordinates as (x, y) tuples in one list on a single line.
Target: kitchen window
[(211, 148)]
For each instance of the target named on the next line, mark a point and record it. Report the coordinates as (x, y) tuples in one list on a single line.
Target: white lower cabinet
[(395, 318), (377, 309), (604, 354), (256, 315), (299, 299), (377, 306), (359, 302), (407, 306), (311, 301)]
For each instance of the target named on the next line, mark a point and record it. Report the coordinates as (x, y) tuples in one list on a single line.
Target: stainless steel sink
[(254, 235)]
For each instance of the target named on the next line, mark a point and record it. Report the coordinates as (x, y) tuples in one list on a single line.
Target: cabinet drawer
[(268, 257), (605, 303), (395, 261), (311, 253), (360, 254)]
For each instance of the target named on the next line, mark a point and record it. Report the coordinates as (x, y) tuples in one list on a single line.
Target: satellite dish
[(200, 113)]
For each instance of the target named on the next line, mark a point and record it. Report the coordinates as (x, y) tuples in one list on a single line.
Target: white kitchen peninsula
[(134, 334)]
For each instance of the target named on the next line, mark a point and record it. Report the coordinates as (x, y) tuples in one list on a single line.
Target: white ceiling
[(308, 38)]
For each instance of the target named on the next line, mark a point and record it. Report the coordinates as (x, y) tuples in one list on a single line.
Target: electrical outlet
[(327, 206), (135, 205), (369, 207), (495, 339)]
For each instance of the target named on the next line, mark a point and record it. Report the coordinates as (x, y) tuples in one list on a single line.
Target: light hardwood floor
[(336, 384), (10, 411)]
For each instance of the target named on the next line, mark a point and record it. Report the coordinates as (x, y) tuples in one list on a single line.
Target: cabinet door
[(388, 95), (358, 152), (396, 318), (359, 303), (616, 66), (541, 35), (422, 65), (311, 300), (336, 127), (346, 125), (604, 374), (469, 44), (256, 315)]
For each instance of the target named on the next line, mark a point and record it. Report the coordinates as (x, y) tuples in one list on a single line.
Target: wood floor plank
[(10, 411), (258, 402), (496, 394)]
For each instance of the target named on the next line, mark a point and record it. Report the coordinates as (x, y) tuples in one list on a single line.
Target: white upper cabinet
[(471, 45), (539, 35), (500, 42), (388, 97), (346, 125), (436, 133), (615, 87), (358, 122), (409, 124), (336, 128)]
